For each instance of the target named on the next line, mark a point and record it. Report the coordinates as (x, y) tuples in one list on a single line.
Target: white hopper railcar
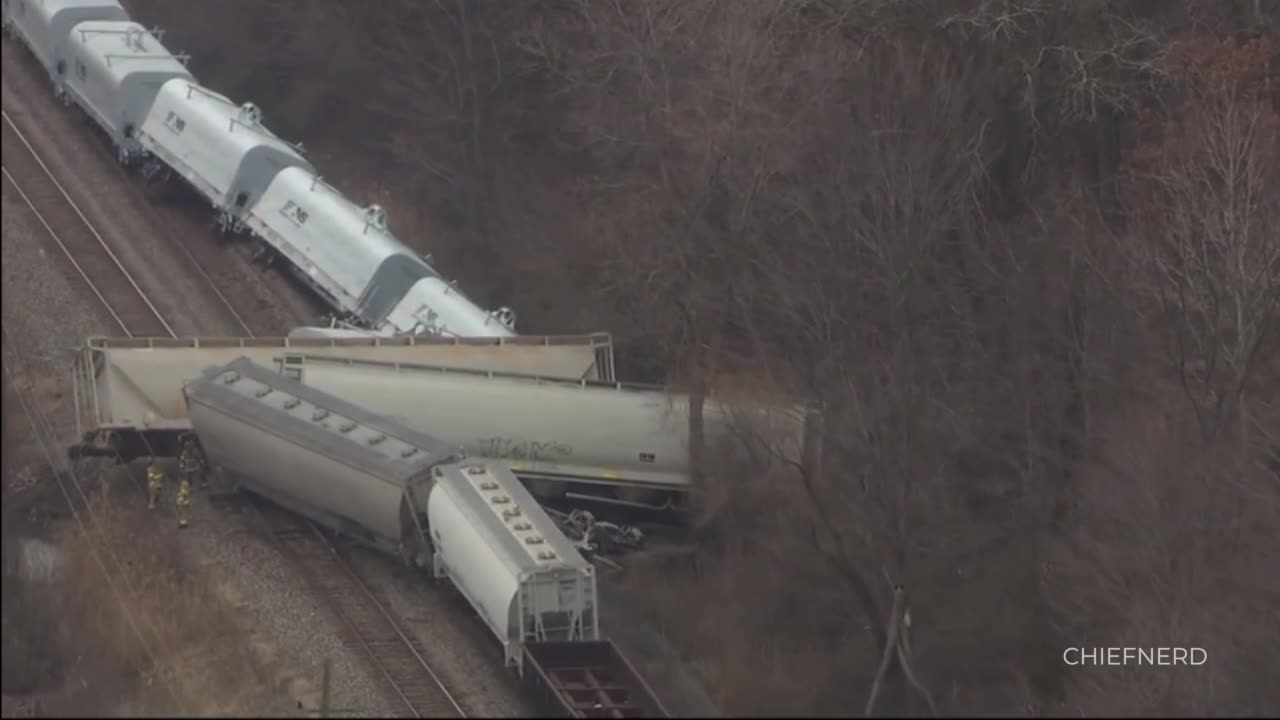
[(128, 391), (508, 559), (45, 27), (603, 441), (222, 149), (117, 68), (402, 491), (349, 256)]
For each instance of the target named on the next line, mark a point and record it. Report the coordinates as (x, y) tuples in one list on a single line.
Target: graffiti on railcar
[(528, 450)]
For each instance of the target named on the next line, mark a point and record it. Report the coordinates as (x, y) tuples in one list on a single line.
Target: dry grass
[(172, 627)]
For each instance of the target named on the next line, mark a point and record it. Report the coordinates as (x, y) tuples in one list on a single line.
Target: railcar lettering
[(648, 457), (513, 449)]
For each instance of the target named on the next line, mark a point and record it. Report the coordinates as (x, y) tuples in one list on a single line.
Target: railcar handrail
[(597, 340)]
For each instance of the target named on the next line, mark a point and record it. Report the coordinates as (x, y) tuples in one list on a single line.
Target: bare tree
[(908, 211), (670, 98), (1205, 206)]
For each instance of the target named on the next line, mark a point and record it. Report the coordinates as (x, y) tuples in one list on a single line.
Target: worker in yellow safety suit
[(155, 483), (184, 502), (189, 462)]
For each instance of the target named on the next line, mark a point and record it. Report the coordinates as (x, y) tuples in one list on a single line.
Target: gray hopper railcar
[(411, 494), (403, 492)]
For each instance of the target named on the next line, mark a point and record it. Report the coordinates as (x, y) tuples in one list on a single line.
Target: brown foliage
[(1024, 251)]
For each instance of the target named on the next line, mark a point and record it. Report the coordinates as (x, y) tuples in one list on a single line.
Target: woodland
[(1025, 252)]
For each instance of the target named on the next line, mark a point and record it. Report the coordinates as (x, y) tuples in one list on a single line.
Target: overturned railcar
[(622, 444), (408, 493), (128, 391)]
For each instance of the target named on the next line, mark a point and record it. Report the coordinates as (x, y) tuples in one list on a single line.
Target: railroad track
[(392, 651), (410, 678), (76, 237), (412, 682)]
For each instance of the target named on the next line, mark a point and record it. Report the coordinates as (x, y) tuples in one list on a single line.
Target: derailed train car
[(405, 492), (539, 404), (128, 391), (400, 491), (617, 443)]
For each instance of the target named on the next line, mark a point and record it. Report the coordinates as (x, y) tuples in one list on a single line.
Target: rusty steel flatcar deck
[(589, 680)]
